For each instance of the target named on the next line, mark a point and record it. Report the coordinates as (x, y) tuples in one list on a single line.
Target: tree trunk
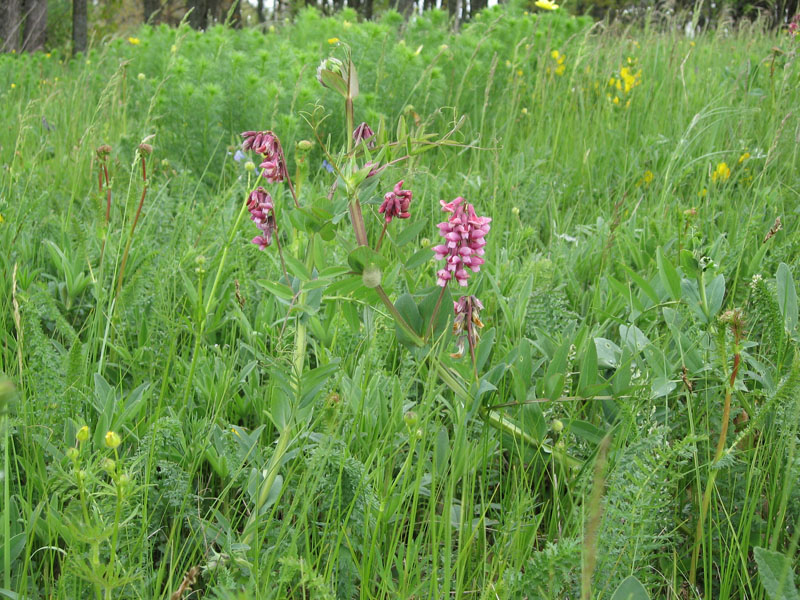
[(367, 9), (10, 22), (151, 7), (198, 19), (79, 26), (406, 7), (260, 11), (34, 34)]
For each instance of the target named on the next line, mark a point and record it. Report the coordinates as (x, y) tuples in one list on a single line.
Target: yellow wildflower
[(524, 112), (134, 41), (648, 177), (1, 218), (519, 72), (702, 193), (560, 69), (616, 99), (83, 434), (333, 40), (744, 157), (13, 85), (721, 173), (546, 5), (48, 55), (555, 54)]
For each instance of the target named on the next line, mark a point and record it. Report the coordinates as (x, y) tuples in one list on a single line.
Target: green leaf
[(441, 451), (715, 292), (586, 431), (427, 306), (643, 284), (787, 296), (484, 347), (588, 375), (776, 574), (631, 589), (689, 264), (410, 232), (279, 290), (364, 256), (608, 353), (668, 275), (419, 258), (408, 309)]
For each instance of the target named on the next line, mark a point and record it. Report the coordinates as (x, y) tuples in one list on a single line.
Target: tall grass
[(617, 247)]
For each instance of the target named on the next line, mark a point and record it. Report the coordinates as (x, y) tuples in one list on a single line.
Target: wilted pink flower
[(261, 212), (362, 133), (794, 26), (466, 323), (262, 142), (267, 143), (396, 203), (464, 234)]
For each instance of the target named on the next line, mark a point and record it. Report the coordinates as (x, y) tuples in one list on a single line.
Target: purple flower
[(466, 323), (327, 166), (262, 214), (464, 235), (362, 133), (273, 169), (239, 156), (396, 203)]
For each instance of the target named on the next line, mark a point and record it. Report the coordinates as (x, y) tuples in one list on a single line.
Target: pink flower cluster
[(794, 26), (396, 203), (267, 143), (262, 214), (464, 233)]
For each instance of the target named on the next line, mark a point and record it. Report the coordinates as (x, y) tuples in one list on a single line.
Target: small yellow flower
[(141, 77), (48, 55), (333, 40), (744, 157), (616, 99), (524, 13), (612, 82), (508, 63), (560, 69), (546, 5), (173, 48), (721, 173), (519, 72), (702, 193), (555, 54), (648, 177), (83, 434), (134, 41), (692, 44), (113, 440), (13, 85), (524, 112)]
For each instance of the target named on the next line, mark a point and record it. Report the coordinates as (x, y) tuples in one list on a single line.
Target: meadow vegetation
[(184, 415)]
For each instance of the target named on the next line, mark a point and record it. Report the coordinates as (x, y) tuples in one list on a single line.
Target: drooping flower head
[(396, 203), (267, 144), (464, 233), (363, 133), (466, 323), (262, 214)]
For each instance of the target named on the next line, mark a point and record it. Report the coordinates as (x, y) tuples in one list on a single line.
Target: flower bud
[(109, 465), (124, 481), (145, 149), (250, 166), (411, 418), (72, 454), (83, 434), (557, 426), (515, 211), (304, 145), (113, 440), (103, 151), (141, 77)]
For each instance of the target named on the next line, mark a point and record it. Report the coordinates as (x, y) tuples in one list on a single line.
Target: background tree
[(79, 26), (10, 24), (34, 32)]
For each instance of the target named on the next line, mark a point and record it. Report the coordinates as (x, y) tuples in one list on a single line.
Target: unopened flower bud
[(515, 211), (557, 426), (83, 434), (141, 77), (103, 151), (108, 464), (145, 149), (124, 480), (411, 418), (72, 453), (250, 166), (304, 145), (113, 440), (425, 242)]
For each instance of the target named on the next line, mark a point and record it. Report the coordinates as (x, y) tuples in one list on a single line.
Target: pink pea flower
[(267, 143), (396, 203), (466, 324), (362, 133), (464, 234), (262, 214)]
